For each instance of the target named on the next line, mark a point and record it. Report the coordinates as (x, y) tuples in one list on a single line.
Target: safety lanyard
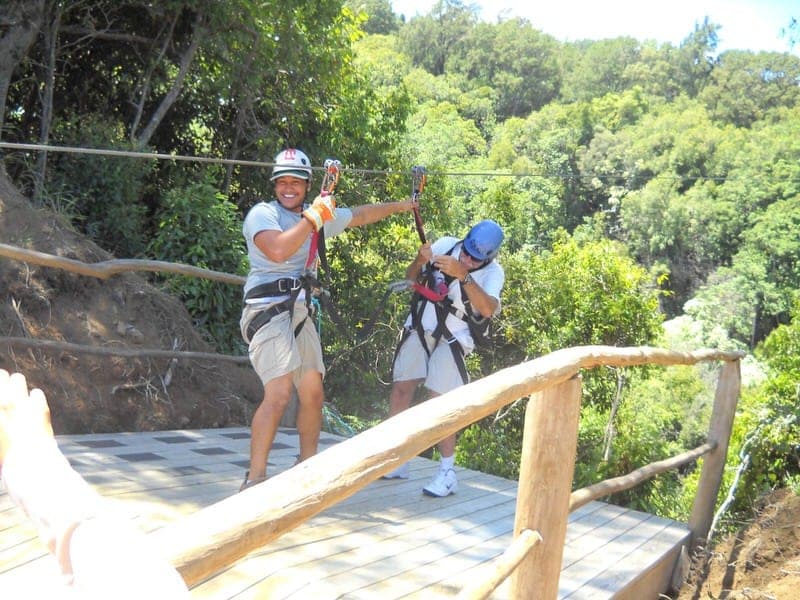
[(329, 181)]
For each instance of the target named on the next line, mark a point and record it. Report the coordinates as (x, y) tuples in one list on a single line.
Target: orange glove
[(322, 210)]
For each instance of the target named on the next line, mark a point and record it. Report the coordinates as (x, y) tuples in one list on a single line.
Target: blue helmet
[(483, 240)]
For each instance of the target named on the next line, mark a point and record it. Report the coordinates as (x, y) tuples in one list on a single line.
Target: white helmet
[(292, 162)]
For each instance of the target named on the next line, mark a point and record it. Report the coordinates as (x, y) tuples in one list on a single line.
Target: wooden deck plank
[(386, 541), (389, 530)]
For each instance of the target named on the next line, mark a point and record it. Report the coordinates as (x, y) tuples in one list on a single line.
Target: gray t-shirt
[(266, 216)]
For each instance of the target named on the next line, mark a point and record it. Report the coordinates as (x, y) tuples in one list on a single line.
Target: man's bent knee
[(277, 395)]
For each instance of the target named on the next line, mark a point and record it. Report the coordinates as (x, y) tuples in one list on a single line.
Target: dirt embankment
[(759, 562), (107, 393)]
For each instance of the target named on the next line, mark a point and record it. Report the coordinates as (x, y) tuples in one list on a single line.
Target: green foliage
[(573, 295), (434, 122), (517, 61), (432, 39), (752, 296), (494, 447), (589, 464), (780, 440), (744, 86), (615, 111), (661, 413), (601, 68), (379, 17), (379, 58), (104, 193), (696, 57), (199, 227)]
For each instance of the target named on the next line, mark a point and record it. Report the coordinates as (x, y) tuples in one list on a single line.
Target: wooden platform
[(387, 541)]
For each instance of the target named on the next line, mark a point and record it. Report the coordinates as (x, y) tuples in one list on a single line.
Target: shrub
[(198, 226)]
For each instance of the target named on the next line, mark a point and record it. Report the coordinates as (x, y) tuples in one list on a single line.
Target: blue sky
[(746, 24)]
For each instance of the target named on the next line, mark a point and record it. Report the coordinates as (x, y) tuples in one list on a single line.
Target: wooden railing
[(215, 537)]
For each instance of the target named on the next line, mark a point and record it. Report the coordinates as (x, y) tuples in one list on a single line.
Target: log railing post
[(719, 433), (549, 444)]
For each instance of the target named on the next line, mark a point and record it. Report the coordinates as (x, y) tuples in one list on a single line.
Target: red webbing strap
[(424, 290), (312, 250), (329, 181)]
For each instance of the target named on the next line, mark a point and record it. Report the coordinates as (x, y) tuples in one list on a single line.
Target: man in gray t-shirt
[(284, 345)]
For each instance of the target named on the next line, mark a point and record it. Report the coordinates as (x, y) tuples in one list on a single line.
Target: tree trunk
[(145, 87), (51, 52), (20, 21), (186, 62)]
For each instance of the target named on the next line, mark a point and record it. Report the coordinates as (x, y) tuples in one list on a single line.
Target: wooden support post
[(725, 401), (549, 445)]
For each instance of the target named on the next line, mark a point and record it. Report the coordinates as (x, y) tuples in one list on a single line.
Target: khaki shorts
[(439, 370), (275, 351)]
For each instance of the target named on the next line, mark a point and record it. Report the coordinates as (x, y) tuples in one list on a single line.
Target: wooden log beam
[(108, 268), (722, 415), (625, 482), (56, 346), (549, 446)]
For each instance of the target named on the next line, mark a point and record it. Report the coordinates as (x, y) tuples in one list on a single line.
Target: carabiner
[(331, 177)]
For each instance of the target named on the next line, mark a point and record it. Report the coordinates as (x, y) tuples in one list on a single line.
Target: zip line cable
[(222, 161), (254, 163)]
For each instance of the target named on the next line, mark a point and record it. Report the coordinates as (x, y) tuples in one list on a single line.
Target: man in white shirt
[(458, 288)]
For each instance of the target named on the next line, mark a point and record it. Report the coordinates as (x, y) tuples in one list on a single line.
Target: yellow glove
[(322, 210)]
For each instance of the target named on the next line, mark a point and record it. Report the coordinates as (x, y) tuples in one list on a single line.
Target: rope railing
[(57, 346)]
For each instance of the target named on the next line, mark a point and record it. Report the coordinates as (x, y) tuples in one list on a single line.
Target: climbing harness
[(432, 286)]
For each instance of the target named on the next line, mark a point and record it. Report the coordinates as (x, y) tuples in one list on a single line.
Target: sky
[(746, 24)]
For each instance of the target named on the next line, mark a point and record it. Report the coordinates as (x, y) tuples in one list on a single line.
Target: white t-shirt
[(490, 278), (266, 216)]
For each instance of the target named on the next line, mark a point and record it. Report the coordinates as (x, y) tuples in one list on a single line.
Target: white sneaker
[(444, 484), (401, 472)]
